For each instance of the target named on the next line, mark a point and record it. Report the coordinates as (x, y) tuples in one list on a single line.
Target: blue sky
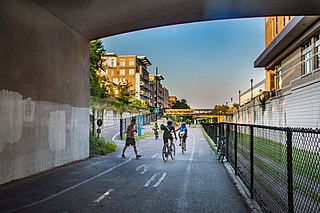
[(205, 63)]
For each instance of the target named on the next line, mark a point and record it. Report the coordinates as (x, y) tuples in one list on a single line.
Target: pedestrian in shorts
[(130, 141)]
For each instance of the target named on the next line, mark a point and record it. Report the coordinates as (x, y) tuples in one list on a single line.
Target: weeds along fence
[(146, 119), (279, 166)]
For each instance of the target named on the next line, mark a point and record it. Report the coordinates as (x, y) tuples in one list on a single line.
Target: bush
[(99, 146)]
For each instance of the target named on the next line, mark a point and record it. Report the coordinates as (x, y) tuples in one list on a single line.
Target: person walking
[(130, 141)]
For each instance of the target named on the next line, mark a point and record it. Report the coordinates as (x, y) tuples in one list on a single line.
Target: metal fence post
[(93, 124), (289, 171), (235, 149), (227, 141), (121, 128), (251, 161)]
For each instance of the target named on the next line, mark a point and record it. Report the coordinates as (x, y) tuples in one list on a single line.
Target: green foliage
[(221, 109), (97, 88), (99, 146), (181, 104)]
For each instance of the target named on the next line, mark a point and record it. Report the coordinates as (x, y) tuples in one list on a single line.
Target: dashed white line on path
[(159, 181), (150, 180), (154, 155), (103, 196)]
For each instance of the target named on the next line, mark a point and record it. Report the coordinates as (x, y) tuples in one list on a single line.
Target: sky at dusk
[(206, 63)]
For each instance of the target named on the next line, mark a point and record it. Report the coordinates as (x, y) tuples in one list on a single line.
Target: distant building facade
[(129, 69), (172, 100), (156, 90)]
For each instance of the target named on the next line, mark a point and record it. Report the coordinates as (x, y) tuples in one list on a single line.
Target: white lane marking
[(114, 137), (154, 155), (183, 204), (150, 180), (159, 181), (103, 196), (139, 167), (70, 188), (145, 169)]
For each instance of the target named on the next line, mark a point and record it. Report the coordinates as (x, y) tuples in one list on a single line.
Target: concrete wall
[(44, 91), (298, 108)]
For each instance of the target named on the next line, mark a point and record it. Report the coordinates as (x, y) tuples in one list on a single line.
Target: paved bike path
[(193, 182)]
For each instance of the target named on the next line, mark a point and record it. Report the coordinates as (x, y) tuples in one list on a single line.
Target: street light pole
[(251, 86), (156, 95)]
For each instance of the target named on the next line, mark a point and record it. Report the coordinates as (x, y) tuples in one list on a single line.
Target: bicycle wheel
[(165, 153), (173, 151)]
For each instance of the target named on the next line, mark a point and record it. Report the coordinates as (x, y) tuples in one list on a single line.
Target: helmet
[(169, 122)]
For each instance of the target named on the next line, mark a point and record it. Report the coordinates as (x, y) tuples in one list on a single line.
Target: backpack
[(167, 131)]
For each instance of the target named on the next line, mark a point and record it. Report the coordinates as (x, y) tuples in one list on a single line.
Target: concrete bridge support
[(44, 91)]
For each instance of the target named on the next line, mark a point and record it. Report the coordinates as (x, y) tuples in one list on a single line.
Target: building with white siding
[(293, 57)]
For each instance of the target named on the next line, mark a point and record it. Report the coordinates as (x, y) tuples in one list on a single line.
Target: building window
[(307, 58), (122, 63), (115, 80), (106, 71), (317, 52), (131, 62), (112, 73), (122, 71), (278, 77), (131, 71)]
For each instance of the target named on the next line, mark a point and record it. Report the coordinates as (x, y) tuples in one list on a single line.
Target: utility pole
[(239, 96), (156, 95)]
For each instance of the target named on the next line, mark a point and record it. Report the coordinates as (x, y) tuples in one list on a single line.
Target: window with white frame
[(122, 63), (317, 52), (131, 62), (278, 77), (131, 71), (115, 80), (122, 71), (307, 58)]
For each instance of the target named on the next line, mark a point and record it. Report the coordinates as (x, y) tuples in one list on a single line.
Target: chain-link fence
[(279, 166)]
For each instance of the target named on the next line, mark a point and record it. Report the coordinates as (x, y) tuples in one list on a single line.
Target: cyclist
[(168, 131), (155, 129), (183, 134)]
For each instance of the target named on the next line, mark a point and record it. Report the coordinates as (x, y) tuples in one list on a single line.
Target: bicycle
[(168, 150), (156, 133), (221, 148), (182, 142)]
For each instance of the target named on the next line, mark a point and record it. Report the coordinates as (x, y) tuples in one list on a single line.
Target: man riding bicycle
[(183, 134), (167, 132)]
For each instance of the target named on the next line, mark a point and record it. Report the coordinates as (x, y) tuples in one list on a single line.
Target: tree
[(181, 104), (221, 109), (97, 89)]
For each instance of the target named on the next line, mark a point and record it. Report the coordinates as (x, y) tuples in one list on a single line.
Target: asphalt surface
[(193, 182)]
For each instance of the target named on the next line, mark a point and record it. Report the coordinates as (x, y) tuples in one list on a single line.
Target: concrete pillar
[(44, 91)]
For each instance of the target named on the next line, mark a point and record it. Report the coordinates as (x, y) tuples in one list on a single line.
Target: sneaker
[(138, 157), (123, 156)]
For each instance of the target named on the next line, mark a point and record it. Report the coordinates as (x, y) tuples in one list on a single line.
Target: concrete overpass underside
[(44, 69)]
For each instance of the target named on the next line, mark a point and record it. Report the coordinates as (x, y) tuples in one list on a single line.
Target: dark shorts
[(130, 142), (166, 139)]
